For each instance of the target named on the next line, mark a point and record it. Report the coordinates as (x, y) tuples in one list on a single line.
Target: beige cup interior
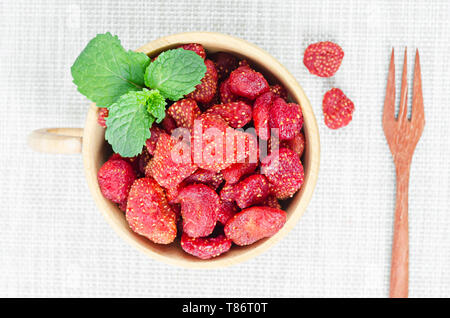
[(96, 151)]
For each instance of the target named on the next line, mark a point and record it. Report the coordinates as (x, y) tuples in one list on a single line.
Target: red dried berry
[(115, 178), (337, 109), (272, 201), (102, 114), (323, 58), (227, 193), (195, 47), (151, 142), (236, 114), (287, 118), (208, 141), (208, 177), (184, 112), (171, 163), (297, 144), (284, 171), (226, 95), (225, 64), (211, 70), (168, 124), (216, 100), (148, 212), (279, 90), (199, 209), (236, 171), (216, 146), (261, 108), (243, 62), (176, 208), (172, 193), (248, 83), (252, 224), (227, 210), (244, 145), (251, 191), (206, 90), (143, 160), (205, 247)]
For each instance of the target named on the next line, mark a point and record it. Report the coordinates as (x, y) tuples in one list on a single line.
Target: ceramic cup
[(91, 143)]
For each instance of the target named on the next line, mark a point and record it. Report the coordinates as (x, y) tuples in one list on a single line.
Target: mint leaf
[(128, 123), (156, 105), (175, 73), (104, 70)]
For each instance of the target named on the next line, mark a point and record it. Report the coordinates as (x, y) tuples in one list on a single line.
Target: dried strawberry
[(284, 171), (225, 64), (143, 160), (205, 247), (216, 146), (226, 211), (195, 47), (272, 201), (148, 212), (169, 124), (297, 144), (208, 177), (287, 118), (337, 109), (236, 114), (176, 208), (243, 62), (208, 138), (279, 90), (171, 163), (199, 209), (115, 178), (252, 190), (236, 171), (323, 58), (211, 70), (172, 193), (248, 83), (253, 224), (227, 193), (206, 90), (244, 147), (261, 108), (214, 101), (151, 142), (226, 95), (102, 114), (184, 112)]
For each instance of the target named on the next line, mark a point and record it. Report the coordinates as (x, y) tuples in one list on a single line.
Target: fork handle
[(400, 246)]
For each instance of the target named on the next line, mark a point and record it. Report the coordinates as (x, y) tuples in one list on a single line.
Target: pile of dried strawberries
[(213, 192)]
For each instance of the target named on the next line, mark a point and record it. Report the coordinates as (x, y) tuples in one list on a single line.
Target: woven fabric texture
[(53, 240)]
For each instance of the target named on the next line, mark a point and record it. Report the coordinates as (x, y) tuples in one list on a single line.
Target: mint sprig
[(112, 77), (129, 121), (104, 71), (175, 73)]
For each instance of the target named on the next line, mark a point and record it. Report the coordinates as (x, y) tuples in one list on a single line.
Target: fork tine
[(403, 110), (389, 101), (417, 112)]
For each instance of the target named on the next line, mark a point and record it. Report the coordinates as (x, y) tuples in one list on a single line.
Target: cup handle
[(56, 140)]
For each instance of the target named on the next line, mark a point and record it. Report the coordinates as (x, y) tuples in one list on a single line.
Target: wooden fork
[(402, 135)]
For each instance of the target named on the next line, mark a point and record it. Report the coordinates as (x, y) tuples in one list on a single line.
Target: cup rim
[(301, 200)]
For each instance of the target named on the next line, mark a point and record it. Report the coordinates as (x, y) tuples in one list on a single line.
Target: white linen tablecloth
[(53, 240)]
